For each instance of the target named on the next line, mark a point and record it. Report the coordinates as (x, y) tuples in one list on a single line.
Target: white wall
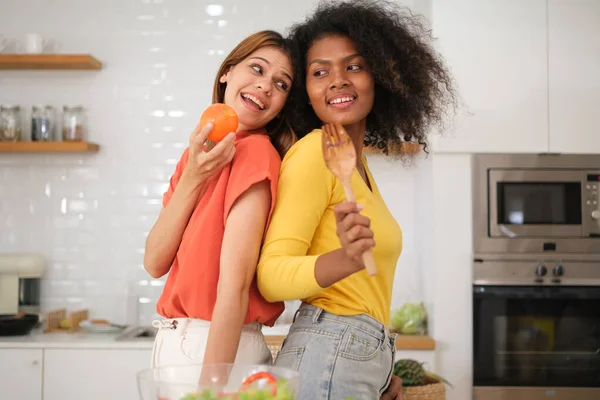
[(399, 185), (448, 270)]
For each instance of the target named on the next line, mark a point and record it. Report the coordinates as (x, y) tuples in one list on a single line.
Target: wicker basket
[(430, 391)]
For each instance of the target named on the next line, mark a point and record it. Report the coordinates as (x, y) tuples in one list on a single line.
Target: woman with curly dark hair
[(413, 89), (367, 65)]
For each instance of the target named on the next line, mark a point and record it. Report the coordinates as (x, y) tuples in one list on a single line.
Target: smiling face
[(258, 87), (338, 81)]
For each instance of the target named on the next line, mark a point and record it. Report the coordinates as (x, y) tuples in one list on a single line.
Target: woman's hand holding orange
[(203, 163)]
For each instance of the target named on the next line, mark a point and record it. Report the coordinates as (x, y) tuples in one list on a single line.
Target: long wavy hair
[(279, 130)]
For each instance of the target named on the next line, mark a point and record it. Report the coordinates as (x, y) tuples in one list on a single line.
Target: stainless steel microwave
[(536, 203)]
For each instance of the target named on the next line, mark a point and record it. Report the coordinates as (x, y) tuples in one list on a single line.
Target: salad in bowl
[(218, 382)]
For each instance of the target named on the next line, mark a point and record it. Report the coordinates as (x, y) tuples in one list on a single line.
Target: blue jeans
[(338, 357)]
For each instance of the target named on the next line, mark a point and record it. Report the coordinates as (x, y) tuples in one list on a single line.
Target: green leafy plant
[(410, 319), (413, 373)]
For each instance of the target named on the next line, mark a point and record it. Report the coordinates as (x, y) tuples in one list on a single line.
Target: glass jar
[(42, 123), (73, 123), (10, 123)]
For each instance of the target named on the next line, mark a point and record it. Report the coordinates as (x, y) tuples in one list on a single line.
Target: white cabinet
[(574, 83), (497, 53), (21, 374), (95, 374)]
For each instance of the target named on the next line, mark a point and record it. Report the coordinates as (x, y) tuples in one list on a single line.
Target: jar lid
[(46, 106), (10, 106), (72, 107)]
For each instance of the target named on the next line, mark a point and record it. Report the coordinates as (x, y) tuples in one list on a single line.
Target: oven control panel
[(552, 271), (539, 271)]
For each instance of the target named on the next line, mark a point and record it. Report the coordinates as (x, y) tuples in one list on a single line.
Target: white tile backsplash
[(89, 214)]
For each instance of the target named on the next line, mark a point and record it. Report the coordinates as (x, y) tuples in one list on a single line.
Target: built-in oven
[(536, 328), (536, 203)]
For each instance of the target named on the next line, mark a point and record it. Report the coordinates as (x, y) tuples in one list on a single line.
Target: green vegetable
[(283, 393), (411, 318), (205, 395)]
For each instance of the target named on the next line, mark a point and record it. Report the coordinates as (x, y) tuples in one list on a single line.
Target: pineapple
[(411, 372)]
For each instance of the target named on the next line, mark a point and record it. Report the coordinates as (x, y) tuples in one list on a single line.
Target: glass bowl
[(218, 381)]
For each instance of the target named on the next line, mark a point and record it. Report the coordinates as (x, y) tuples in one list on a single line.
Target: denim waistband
[(363, 322)]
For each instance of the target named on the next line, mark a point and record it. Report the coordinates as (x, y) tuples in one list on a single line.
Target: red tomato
[(224, 119), (271, 380)]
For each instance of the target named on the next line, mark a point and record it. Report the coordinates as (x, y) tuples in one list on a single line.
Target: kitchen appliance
[(20, 276), (17, 324), (536, 203), (536, 277), (536, 327)]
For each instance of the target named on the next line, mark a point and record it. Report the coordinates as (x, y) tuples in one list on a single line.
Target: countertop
[(83, 340), (37, 339)]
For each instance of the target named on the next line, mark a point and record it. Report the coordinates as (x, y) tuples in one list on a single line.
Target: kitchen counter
[(275, 336), (82, 339), (77, 340)]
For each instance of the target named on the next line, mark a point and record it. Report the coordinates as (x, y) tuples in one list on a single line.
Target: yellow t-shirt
[(303, 227)]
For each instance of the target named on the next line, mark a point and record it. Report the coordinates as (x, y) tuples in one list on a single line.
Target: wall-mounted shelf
[(409, 148), (412, 147), (48, 147), (403, 342), (49, 61)]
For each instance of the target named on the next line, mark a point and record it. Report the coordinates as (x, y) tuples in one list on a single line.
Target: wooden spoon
[(340, 157)]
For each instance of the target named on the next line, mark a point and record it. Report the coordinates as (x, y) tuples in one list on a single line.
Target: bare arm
[(244, 230), (165, 236), (333, 267)]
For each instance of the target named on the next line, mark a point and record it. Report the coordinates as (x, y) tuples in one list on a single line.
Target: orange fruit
[(224, 119)]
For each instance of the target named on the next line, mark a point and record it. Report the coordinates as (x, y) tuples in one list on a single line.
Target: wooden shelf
[(48, 61), (415, 342), (410, 148), (403, 342), (48, 147)]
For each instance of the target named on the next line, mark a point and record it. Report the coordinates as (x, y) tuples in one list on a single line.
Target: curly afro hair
[(413, 88)]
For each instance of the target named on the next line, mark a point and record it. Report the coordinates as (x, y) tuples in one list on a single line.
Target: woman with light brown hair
[(215, 212)]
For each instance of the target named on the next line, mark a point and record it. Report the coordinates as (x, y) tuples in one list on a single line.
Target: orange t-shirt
[(191, 287)]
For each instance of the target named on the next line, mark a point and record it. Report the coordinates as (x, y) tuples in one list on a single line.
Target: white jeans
[(182, 341)]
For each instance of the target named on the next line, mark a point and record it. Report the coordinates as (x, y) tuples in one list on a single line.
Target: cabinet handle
[(35, 362)]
